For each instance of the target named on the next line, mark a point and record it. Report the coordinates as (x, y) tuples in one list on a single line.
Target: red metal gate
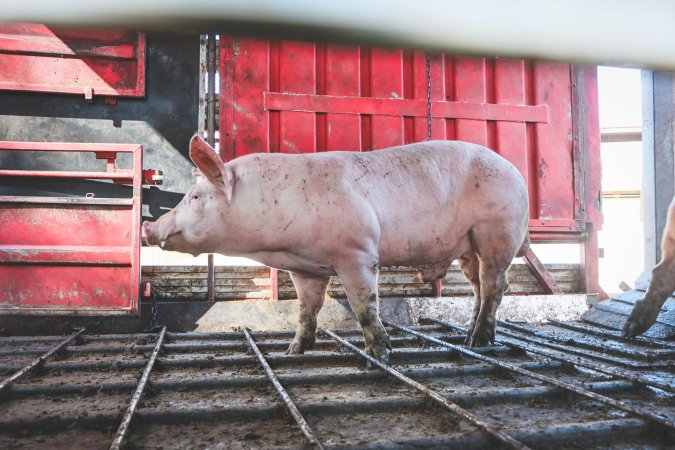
[(72, 255), (298, 97), (43, 58)]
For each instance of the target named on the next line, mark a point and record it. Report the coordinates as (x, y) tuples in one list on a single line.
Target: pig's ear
[(211, 166)]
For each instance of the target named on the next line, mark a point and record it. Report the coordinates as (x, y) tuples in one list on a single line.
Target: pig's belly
[(422, 246)]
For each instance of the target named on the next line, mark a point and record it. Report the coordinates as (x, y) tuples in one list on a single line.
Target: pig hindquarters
[(348, 213)]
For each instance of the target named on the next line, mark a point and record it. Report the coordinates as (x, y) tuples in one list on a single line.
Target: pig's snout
[(156, 233), (148, 235)]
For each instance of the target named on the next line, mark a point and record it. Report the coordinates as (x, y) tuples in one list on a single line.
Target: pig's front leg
[(311, 293), (360, 282), (645, 311)]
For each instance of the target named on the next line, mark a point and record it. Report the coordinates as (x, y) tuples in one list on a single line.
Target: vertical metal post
[(658, 144), (211, 139), (651, 242), (274, 283), (436, 288), (588, 168)]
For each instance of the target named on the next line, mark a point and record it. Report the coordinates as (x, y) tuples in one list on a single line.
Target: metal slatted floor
[(558, 385)]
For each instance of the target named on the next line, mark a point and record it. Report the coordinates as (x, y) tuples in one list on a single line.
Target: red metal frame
[(43, 58), (297, 97), (587, 170), (72, 256)]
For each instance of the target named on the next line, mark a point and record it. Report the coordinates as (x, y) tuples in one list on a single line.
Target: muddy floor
[(210, 392)]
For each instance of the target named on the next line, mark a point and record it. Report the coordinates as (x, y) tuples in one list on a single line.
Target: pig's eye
[(195, 197)]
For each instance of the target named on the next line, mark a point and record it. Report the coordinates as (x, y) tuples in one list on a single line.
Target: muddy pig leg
[(645, 311), (492, 286), (495, 246), (360, 282), (311, 293), (470, 267)]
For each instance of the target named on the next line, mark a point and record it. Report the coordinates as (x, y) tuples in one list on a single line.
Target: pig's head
[(193, 225)]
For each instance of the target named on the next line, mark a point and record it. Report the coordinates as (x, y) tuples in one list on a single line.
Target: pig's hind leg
[(469, 264), (360, 282), (495, 247), (311, 293)]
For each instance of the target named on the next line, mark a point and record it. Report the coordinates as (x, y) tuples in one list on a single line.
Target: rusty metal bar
[(275, 345), (438, 398), (173, 336), (482, 398), (238, 381), (128, 415), (297, 415), (611, 335), (6, 383), (614, 371), (202, 360), (645, 356), (210, 361), (543, 378), (574, 351), (287, 380)]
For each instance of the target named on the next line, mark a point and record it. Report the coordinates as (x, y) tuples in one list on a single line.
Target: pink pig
[(349, 213)]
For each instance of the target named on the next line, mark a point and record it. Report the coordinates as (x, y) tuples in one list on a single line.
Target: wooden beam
[(541, 273)]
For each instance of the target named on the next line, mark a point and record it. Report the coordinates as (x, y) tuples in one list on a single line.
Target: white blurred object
[(614, 32)]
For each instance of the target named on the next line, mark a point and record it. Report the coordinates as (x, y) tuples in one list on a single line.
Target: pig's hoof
[(469, 333), (640, 320), (481, 337), (296, 348), (381, 355)]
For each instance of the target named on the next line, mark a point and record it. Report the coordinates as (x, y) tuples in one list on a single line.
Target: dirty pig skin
[(349, 213)]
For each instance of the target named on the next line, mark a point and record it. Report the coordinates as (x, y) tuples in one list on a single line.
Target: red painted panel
[(342, 79), (297, 74), (511, 137), (37, 57), (470, 74), (250, 61), (63, 255), (386, 81), (316, 97), (47, 289), (42, 224), (553, 166)]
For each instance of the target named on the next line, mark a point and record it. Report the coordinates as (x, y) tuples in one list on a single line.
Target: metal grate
[(556, 385)]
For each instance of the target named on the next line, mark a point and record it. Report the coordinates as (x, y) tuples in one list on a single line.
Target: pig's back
[(428, 196)]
